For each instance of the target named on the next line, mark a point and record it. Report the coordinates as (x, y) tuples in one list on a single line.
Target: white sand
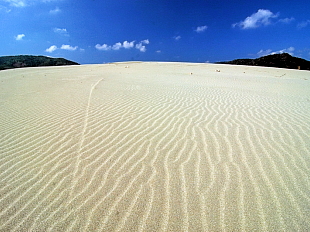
[(154, 147)]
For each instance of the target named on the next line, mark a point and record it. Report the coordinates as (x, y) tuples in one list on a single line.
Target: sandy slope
[(154, 147)]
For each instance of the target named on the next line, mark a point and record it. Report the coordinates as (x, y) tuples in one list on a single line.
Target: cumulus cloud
[(260, 18), (68, 47), (289, 50), (103, 47), (303, 24), (140, 45), (61, 31), (63, 47), (127, 45), (146, 41), (117, 46), (51, 49), (201, 29), (20, 36)]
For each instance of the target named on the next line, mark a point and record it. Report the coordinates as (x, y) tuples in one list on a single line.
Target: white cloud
[(289, 50), (260, 18), (51, 48), (61, 31), (20, 36), (64, 47), (55, 11), (128, 45), (117, 46), (158, 51), (201, 29), (146, 41), (177, 37), (24, 3), (303, 24), (68, 47), (264, 52), (16, 3), (140, 47), (125, 44), (103, 47), (286, 20)]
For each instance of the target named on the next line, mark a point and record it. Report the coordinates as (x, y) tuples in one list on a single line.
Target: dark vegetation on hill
[(9, 62), (283, 60)]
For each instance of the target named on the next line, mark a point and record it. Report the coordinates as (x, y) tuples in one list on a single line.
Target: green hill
[(283, 60), (9, 62)]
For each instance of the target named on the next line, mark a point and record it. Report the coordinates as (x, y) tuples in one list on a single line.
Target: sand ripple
[(154, 147)]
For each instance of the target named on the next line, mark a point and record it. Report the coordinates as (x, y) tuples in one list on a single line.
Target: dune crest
[(147, 146)]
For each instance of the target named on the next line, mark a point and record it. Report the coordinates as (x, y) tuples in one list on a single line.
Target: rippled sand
[(154, 147)]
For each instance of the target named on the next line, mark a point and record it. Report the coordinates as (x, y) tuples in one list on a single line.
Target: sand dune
[(154, 147)]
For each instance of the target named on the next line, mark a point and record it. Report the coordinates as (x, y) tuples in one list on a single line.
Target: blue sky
[(101, 31)]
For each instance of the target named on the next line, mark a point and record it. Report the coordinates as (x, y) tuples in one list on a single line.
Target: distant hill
[(283, 60), (9, 62)]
